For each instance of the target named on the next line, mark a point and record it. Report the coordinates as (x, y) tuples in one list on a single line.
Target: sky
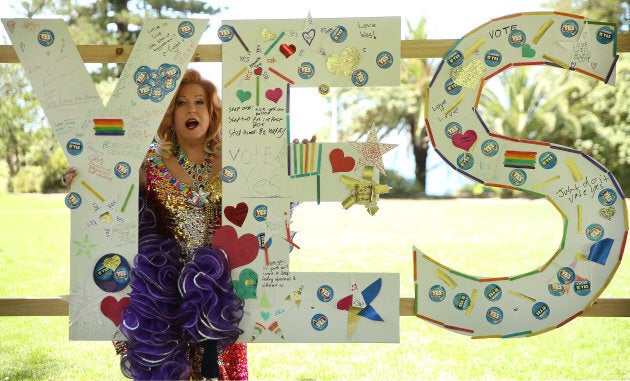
[(450, 22)]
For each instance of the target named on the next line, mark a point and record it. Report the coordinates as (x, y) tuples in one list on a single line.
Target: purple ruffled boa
[(173, 304)]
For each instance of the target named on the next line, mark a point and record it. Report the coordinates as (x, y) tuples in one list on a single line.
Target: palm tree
[(537, 104)]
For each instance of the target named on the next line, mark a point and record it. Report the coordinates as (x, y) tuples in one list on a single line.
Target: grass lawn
[(481, 237)]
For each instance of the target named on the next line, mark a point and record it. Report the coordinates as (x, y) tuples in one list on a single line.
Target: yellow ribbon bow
[(365, 191)]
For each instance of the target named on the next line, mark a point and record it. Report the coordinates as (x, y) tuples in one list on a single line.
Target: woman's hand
[(68, 176)]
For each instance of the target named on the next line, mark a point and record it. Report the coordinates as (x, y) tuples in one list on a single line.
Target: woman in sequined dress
[(183, 315)]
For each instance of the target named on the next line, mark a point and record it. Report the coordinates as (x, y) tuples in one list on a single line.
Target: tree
[(26, 141), (390, 109), (613, 11), (19, 111), (111, 22)]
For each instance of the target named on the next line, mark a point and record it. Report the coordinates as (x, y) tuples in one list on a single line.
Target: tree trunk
[(420, 143)]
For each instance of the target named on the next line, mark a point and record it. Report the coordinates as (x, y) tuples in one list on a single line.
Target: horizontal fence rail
[(57, 306), (212, 52)]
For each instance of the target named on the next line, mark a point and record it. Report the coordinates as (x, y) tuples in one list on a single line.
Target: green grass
[(480, 237)]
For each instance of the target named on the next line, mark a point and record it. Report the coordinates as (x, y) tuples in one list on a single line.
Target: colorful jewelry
[(199, 173)]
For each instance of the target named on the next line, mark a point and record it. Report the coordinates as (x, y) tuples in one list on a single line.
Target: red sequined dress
[(181, 215)]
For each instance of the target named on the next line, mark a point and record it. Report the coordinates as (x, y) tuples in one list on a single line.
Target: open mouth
[(191, 124)]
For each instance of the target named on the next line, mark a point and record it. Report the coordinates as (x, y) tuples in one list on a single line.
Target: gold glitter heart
[(267, 35), (345, 64), (470, 75), (608, 213), (112, 262)]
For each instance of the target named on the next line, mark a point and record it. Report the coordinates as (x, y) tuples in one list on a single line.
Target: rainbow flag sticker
[(519, 159), (109, 127)]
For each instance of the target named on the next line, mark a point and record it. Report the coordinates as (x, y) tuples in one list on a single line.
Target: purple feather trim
[(161, 320), (211, 309)]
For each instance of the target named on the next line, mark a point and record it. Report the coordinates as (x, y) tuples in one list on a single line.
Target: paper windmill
[(358, 304)]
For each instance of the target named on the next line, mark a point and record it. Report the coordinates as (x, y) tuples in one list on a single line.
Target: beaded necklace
[(199, 173)]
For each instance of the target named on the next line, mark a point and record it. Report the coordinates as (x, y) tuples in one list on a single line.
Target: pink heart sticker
[(466, 140), (112, 308), (236, 214), (274, 95), (239, 250), (340, 162)]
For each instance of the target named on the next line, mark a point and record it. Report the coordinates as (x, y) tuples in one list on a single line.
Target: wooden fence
[(57, 306)]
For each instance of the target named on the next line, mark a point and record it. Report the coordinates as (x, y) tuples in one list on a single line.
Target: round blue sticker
[(260, 213), (228, 174), (73, 200), (490, 147), (451, 87), (437, 293), (540, 310), (605, 35), (569, 28), (493, 292), (263, 242), (186, 29), (566, 275), (306, 70), (384, 60), (112, 273), (122, 170), (325, 293), (548, 160), (494, 315), (517, 177), (319, 322), (465, 161), (454, 58), (74, 147), (607, 197), (582, 287), (517, 38), (492, 58), (225, 33), (594, 232), (452, 128), (461, 301), (339, 34), (556, 289), (46, 37), (359, 77)]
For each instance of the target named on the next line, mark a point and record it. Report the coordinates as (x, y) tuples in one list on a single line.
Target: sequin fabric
[(192, 225)]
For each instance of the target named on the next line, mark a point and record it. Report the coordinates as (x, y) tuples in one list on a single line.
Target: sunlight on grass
[(480, 237)]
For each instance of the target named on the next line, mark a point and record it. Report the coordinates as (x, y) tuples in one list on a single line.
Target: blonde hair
[(164, 135)]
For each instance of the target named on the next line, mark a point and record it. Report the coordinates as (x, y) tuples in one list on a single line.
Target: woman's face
[(191, 116)]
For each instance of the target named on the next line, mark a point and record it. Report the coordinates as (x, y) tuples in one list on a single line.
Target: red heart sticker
[(112, 308), (274, 95), (466, 140), (239, 250), (258, 70), (236, 214), (340, 162), (287, 50)]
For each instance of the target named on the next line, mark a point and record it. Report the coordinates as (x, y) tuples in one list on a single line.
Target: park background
[(487, 232)]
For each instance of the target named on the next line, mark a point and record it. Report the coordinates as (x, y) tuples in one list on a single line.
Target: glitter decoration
[(372, 151), (267, 35), (469, 76), (345, 64)]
